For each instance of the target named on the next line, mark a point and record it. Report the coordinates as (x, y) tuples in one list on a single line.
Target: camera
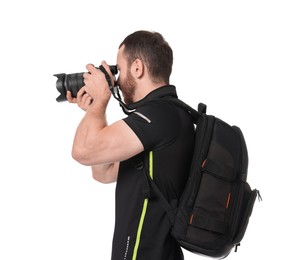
[(73, 82)]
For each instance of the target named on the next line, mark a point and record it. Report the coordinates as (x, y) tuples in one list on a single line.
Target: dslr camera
[(73, 82)]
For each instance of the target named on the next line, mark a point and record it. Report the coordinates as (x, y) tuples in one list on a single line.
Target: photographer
[(157, 133)]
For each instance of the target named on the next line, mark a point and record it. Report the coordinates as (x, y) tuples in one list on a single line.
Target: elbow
[(85, 156), (80, 156)]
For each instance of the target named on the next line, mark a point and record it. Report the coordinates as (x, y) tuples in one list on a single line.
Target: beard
[(128, 87)]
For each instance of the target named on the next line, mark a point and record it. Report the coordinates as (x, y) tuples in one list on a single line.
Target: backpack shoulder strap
[(150, 188), (168, 208), (196, 114)]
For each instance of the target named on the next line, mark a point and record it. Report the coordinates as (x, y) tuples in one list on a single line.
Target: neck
[(143, 90)]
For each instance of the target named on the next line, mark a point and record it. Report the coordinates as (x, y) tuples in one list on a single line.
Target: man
[(157, 133)]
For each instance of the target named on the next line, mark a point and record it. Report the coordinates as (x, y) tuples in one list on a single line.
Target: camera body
[(73, 82)]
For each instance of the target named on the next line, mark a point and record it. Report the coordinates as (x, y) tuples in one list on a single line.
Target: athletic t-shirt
[(142, 228)]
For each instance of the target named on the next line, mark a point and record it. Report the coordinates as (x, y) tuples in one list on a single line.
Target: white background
[(227, 54)]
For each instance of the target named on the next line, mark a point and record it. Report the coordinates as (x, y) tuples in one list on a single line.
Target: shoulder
[(155, 123), (158, 112), (159, 109)]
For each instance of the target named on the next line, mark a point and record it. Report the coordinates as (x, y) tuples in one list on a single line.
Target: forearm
[(106, 173), (86, 136)]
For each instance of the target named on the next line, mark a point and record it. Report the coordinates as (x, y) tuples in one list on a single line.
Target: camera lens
[(73, 82)]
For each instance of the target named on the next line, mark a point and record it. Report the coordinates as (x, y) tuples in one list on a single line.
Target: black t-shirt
[(142, 228)]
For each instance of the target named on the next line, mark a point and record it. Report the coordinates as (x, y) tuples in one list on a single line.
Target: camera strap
[(108, 79), (115, 91)]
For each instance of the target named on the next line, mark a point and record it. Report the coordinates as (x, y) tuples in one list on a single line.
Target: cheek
[(121, 77)]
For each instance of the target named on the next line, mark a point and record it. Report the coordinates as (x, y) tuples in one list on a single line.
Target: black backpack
[(216, 204)]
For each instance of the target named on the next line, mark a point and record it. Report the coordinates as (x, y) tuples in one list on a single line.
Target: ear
[(137, 68)]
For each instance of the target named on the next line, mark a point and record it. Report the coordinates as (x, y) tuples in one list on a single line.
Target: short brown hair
[(152, 49)]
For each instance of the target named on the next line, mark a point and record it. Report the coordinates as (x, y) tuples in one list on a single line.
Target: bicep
[(123, 142), (116, 142)]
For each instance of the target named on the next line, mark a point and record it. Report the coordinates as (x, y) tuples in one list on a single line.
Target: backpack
[(216, 204)]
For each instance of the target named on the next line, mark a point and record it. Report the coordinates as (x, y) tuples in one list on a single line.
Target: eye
[(118, 72)]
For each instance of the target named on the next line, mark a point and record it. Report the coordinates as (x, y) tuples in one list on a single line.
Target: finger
[(106, 66), (86, 75), (70, 98), (84, 97), (91, 68), (81, 91), (85, 102), (88, 100)]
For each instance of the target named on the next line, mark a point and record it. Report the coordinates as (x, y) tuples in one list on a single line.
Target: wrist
[(98, 106)]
